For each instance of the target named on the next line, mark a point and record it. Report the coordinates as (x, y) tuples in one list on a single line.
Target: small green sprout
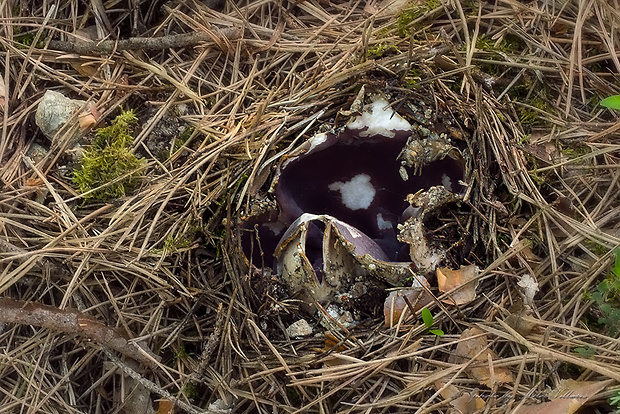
[(411, 13), (427, 318), (607, 298), (611, 102), (614, 400)]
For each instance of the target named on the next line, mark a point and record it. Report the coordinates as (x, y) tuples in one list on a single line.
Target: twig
[(85, 47), (73, 322), (211, 344)]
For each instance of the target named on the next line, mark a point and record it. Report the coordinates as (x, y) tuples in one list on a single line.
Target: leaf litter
[(251, 81)]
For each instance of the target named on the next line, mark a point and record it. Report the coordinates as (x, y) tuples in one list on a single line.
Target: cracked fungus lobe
[(355, 177)]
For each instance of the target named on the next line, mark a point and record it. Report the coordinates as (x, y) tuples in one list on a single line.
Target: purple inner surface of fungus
[(354, 179), (318, 183)]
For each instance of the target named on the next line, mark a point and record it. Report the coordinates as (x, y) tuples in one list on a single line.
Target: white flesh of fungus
[(381, 120), (357, 194)]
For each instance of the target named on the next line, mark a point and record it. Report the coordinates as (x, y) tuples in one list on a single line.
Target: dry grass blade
[(225, 92)]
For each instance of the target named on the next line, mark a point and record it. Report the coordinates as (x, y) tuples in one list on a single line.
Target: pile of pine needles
[(109, 307)]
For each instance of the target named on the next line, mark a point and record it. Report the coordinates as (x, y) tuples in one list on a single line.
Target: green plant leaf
[(612, 102), (603, 287), (616, 268), (427, 317), (587, 352), (437, 332)]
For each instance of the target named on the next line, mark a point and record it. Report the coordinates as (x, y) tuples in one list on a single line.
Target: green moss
[(413, 77), (173, 244), (190, 391), (595, 247), (585, 351), (525, 139), (108, 166), (530, 111), (381, 49), (575, 150), (412, 13), (26, 39), (508, 44)]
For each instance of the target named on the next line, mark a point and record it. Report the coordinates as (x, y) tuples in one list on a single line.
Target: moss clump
[(414, 75), (508, 44), (407, 16), (575, 150), (380, 50), (108, 163)]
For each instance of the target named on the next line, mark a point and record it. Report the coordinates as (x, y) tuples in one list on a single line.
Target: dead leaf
[(395, 304), (89, 117), (83, 64), (383, 8), (474, 344), (34, 182), (334, 345), (567, 398), (529, 288), (521, 322), (463, 402), (464, 280), (2, 93), (165, 406)]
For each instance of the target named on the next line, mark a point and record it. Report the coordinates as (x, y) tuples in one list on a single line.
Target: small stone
[(299, 329), (343, 317), (54, 111), (37, 152), (219, 406)]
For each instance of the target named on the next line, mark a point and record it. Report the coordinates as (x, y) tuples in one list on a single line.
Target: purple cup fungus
[(350, 206)]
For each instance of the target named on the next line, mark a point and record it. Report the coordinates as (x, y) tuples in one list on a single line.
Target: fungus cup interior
[(356, 177)]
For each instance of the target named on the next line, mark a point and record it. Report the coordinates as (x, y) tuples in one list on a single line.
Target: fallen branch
[(75, 323), (87, 47)]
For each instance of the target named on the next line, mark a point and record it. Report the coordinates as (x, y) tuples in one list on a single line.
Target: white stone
[(299, 329), (54, 111)]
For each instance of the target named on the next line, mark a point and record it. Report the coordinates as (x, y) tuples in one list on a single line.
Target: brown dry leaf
[(546, 152), (521, 323), (165, 407), (136, 397), (332, 343), (83, 64), (89, 116), (34, 182), (395, 304), (463, 402), (568, 398), (464, 280), (474, 342), (383, 8), (3, 93)]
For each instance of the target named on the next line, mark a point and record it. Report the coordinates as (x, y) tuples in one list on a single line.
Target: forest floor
[(128, 291)]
